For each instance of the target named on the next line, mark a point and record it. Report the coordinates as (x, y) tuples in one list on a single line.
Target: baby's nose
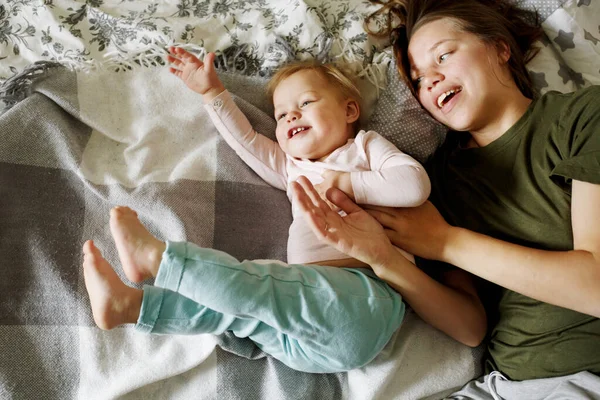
[(293, 116)]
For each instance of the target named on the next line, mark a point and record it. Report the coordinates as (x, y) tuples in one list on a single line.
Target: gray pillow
[(399, 117)]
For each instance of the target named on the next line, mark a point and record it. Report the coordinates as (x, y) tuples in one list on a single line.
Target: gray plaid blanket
[(75, 144)]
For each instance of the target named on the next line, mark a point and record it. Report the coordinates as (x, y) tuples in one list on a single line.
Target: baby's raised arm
[(199, 76), (261, 154)]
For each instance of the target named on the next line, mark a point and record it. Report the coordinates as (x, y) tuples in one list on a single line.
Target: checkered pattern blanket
[(74, 144), (80, 143)]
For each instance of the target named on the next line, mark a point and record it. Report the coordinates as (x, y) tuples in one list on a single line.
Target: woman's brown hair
[(493, 21)]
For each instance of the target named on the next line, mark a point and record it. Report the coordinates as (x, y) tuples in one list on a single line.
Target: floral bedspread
[(251, 37), (254, 37)]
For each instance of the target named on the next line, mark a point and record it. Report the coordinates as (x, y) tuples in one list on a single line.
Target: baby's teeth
[(297, 130)]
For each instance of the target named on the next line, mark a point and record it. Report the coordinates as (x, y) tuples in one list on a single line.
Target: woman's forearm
[(569, 279), (454, 309)]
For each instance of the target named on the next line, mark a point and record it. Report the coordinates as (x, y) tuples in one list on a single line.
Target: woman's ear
[(352, 111), (503, 52)]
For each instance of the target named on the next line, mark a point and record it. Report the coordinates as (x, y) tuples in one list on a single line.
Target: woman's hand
[(421, 230), (357, 234), (199, 76), (454, 308)]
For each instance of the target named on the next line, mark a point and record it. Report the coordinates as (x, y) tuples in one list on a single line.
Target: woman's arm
[(453, 308), (569, 279)]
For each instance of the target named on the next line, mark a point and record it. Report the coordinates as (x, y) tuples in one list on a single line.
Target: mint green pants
[(311, 318)]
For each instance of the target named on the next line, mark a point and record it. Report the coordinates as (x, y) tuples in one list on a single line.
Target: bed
[(91, 118)]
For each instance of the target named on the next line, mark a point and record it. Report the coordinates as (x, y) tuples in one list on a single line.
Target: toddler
[(313, 318), (316, 109)]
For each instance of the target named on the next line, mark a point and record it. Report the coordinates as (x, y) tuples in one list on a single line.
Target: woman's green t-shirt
[(518, 189)]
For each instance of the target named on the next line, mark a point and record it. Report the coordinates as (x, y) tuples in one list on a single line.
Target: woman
[(517, 182)]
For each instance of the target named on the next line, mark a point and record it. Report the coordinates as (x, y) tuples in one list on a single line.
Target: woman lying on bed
[(517, 183)]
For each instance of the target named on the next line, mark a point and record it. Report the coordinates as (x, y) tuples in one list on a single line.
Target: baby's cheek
[(280, 136)]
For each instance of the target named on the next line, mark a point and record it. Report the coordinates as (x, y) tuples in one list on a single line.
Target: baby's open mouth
[(294, 131)]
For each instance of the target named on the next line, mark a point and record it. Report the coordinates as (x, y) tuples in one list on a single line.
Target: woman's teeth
[(444, 96)]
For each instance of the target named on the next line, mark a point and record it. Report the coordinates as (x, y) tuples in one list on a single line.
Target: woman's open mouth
[(445, 98)]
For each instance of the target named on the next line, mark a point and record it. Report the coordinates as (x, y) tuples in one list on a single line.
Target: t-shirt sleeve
[(580, 123)]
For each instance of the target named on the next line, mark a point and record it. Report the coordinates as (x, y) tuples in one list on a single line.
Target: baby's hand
[(336, 179), (199, 76)]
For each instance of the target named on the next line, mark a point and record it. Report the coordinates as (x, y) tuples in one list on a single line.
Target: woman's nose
[(432, 79)]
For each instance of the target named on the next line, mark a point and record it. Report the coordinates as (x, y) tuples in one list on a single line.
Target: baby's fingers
[(174, 61), (177, 51), (182, 56), (209, 62), (188, 57), (176, 72)]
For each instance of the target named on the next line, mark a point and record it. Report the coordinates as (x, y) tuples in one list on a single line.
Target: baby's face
[(312, 117)]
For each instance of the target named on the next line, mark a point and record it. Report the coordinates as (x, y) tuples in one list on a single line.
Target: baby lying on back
[(316, 108)]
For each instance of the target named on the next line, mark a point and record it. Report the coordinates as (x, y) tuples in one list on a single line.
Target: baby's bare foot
[(113, 303), (139, 251)]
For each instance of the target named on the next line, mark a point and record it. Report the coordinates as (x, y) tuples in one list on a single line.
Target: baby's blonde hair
[(339, 79)]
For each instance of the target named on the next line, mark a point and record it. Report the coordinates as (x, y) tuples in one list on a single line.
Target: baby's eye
[(281, 116), (307, 102), (443, 57)]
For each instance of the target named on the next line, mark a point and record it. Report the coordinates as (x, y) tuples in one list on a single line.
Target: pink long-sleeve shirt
[(380, 173)]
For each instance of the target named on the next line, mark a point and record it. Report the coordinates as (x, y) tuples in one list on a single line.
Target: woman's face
[(459, 80)]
